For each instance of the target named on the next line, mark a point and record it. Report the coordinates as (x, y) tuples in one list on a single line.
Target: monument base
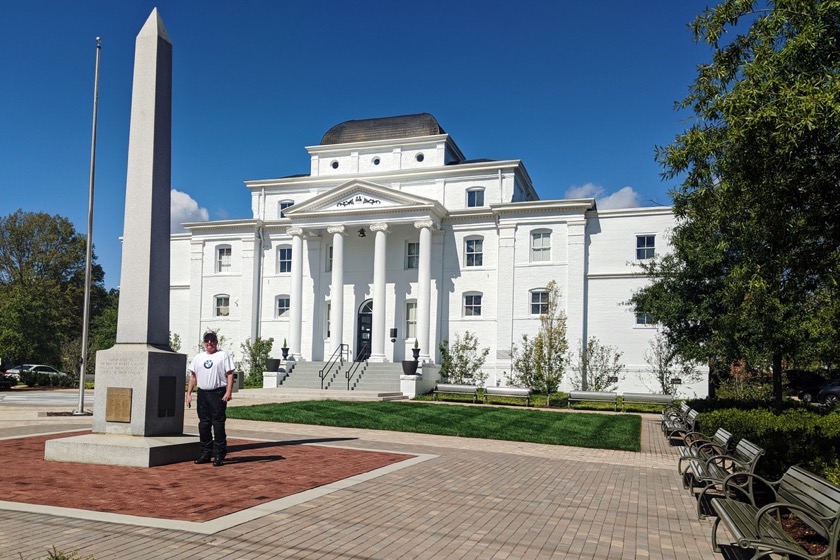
[(123, 450)]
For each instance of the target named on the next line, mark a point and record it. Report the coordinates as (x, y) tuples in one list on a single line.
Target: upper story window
[(644, 320), (539, 302), (282, 305), (472, 305), (328, 264), (221, 305), (474, 251), (412, 255), (540, 246), (645, 247), (475, 198), (282, 205), (284, 259), (411, 319), (223, 254)]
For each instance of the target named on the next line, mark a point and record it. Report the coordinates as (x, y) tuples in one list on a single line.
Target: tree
[(596, 366), (42, 267), (461, 361), (756, 230), (666, 364), (541, 361), (254, 357)]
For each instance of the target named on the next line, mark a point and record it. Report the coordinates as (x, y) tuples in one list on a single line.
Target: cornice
[(386, 143), (578, 205), (640, 211)]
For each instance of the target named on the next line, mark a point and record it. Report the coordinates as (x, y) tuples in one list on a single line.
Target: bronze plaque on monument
[(118, 404)]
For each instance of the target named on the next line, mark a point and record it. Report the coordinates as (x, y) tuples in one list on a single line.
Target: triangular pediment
[(358, 196)]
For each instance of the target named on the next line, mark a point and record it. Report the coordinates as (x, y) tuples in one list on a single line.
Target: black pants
[(211, 422)]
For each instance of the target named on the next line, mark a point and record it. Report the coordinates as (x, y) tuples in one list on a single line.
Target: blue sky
[(581, 92)]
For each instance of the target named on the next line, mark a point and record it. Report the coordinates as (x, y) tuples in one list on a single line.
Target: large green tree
[(756, 241), (42, 268)]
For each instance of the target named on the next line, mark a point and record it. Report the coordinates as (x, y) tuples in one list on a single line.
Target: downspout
[(258, 284)]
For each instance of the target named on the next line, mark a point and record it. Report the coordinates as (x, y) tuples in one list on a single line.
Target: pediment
[(358, 196)]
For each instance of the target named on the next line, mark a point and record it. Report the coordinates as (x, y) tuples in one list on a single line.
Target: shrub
[(38, 379)]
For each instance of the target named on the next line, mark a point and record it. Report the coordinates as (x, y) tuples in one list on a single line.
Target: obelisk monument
[(138, 408)]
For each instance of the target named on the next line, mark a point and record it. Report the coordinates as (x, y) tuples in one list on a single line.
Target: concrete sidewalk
[(471, 499)]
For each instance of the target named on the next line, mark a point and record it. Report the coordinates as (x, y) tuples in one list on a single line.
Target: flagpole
[(89, 255)]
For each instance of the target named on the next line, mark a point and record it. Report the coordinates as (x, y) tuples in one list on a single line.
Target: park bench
[(676, 428), (593, 396), (709, 474), (814, 500), (452, 389), (645, 398), (700, 447), (515, 392), (674, 411)]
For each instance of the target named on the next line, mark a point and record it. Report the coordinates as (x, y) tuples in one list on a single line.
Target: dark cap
[(210, 336)]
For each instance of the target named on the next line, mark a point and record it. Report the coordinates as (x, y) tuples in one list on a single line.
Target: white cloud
[(184, 209), (623, 198)]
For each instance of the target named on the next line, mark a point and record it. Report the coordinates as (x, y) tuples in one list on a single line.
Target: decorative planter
[(272, 364), (409, 367), (416, 353), (285, 351)]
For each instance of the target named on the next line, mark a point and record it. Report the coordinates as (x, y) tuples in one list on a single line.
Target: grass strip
[(597, 431)]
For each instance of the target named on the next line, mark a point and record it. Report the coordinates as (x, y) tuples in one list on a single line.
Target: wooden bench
[(515, 392), (710, 474), (645, 398), (699, 447), (814, 500), (452, 389), (593, 396)]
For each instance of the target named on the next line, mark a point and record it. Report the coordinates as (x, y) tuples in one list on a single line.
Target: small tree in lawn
[(461, 361), (541, 361), (665, 363), (595, 366), (254, 357)]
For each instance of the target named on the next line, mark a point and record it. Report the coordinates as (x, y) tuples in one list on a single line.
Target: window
[(282, 306), (411, 319), (644, 320), (472, 305), (221, 306), (475, 198), (473, 252), (645, 247), (539, 302), (540, 246), (328, 264), (329, 316), (284, 259), (223, 259), (412, 255), (282, 205)]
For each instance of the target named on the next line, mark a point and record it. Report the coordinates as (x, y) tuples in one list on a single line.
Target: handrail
[(351, 371), (337, 356)]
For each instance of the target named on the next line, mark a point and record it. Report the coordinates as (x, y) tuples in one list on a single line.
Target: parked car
[(830, 393), (806, 384), (7, 382), (37, 374)]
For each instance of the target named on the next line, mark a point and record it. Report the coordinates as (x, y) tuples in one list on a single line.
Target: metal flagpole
[(89, 255)]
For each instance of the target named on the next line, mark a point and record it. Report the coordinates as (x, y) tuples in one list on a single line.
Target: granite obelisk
[(138, 414)]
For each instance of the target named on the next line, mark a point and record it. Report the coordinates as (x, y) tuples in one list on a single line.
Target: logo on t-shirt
[(208, 364)]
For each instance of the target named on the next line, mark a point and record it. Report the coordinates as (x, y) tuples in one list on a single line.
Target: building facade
[(395, 239)]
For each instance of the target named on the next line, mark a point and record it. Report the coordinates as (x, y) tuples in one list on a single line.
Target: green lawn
[(599, 431)]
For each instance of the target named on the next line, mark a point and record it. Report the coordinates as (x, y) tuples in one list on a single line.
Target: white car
[(36, 368)]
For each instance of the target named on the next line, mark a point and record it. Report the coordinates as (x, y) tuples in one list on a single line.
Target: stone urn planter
[(272, 364), (409, 367)]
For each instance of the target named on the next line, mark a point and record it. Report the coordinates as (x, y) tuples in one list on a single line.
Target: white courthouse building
[(396, 238)]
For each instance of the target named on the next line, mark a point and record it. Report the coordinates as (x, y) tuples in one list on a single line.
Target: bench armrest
[(776, 506), (746, 487)]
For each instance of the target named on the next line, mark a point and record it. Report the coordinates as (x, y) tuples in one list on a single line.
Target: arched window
[(475, 197), (282, 304), (223, 257), (541, 246), (472, 304), (221, 305), (282, 205), (474, 251), (284, 259)]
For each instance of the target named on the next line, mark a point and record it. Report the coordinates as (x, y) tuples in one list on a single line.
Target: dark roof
[(385, 128)]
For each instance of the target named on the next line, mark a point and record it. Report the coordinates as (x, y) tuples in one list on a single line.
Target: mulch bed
[(254, 473)]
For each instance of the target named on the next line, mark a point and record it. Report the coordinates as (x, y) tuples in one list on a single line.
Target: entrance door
[(364, 326)]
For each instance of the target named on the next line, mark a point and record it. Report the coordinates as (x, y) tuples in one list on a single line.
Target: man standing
[(212, 372)]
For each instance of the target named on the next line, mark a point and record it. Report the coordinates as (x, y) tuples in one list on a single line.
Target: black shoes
[(204, 459), (219, 462)]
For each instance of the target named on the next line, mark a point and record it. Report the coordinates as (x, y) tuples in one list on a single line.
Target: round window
[(376, 161), (334, 165), (420, 157)]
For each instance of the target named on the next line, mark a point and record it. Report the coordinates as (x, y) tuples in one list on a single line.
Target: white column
[(296, 305), (337, 288), (377, 343), (424, 288)]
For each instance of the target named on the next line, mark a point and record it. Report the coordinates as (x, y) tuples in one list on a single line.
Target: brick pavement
[(468, 499)]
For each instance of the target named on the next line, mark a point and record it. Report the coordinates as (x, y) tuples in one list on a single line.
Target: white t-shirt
[(211, 369)]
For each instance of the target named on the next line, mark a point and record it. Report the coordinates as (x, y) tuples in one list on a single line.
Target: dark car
[(830, 393), (806, 384)]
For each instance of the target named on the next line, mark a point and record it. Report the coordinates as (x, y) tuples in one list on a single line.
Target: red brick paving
[(254, 473)]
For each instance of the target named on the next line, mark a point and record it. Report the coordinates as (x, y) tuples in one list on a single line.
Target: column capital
[(336, 229), (430, 224), (380, 226), (295, 231)]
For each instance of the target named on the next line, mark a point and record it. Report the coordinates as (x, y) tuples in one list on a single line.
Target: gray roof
[(385, 128)]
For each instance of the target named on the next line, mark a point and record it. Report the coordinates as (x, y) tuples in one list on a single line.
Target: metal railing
[(354, 369), (336, 360)]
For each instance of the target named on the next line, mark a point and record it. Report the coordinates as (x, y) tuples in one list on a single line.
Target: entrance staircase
[(381, 380)]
